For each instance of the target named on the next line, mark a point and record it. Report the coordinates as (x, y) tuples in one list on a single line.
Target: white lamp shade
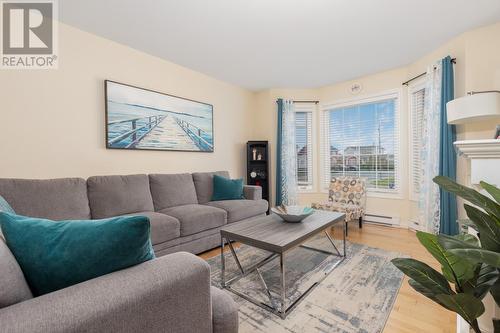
[(476, 107)]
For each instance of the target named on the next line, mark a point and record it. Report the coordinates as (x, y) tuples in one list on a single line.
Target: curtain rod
[(453, 61), (315, 102)]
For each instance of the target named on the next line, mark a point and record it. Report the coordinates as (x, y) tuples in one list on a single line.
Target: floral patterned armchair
[(346, 195)]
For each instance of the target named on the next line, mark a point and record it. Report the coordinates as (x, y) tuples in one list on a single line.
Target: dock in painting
[(143, 119)]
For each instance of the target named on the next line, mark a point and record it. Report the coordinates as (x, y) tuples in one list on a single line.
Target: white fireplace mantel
[(484, 157)]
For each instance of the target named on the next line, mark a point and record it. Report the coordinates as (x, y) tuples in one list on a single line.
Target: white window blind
[(417, 98), (362, 139), (304, 144)]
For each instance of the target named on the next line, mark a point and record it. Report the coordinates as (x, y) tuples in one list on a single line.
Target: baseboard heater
[(381, 219)]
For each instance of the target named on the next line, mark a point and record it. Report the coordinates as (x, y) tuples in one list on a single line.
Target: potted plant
[(471, 265)]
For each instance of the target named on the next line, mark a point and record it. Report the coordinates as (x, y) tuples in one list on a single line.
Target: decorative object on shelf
[(472, 266), (497, 133), (138, 118), (476, 106), (258, 166), (293, 214)]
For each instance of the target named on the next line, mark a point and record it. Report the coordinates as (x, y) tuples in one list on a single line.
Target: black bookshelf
[(258, 166)]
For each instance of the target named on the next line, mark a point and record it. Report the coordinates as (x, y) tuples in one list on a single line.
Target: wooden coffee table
[(272, 234)]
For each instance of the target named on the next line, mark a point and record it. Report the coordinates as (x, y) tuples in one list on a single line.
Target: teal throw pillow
[(5, 207), (227, 189), (54, 255)]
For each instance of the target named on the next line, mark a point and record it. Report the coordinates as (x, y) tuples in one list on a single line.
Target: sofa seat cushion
[(172, 190), (240, 209), (196, 218), (118, 195), (163, 227), (55, 199)]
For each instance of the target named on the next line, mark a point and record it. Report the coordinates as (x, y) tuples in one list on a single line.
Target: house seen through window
[(361, 140)]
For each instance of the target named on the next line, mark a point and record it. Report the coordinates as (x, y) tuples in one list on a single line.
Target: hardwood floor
[(412, 312)]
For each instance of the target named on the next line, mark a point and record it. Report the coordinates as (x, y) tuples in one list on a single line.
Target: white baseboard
[(382, 219)]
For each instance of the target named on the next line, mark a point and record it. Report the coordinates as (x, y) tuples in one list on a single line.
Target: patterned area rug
[(357, 296)]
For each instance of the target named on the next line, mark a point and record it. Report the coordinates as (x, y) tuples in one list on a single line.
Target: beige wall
[(477, 68), (52, 121)]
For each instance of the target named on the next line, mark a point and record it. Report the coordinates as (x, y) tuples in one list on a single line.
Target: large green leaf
[(492, 190), (479, 256), (469, 194), (424, 275), (495, 292), (458, 241), (467, 306), (489, 228), (468, 238), (482, 282), (454, 268), (426, 292)]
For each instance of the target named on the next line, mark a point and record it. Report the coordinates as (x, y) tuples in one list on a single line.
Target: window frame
[(397, 193), (313, 109), (413, 87)]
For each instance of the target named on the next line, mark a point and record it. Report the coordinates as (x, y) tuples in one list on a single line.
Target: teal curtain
[(279, 139), (447, 156)]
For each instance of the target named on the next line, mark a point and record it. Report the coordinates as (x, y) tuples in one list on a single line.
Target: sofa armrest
[(224, 312), (252, 192), (167, 294)]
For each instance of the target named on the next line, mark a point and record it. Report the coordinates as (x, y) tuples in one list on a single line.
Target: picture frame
[(142, 119)]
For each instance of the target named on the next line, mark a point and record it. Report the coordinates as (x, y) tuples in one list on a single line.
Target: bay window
[(361, 139)]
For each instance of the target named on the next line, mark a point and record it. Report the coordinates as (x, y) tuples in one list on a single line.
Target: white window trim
[(314, 187), (392, 93), (412, 87)]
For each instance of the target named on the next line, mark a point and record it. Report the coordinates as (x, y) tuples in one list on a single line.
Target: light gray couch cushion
[(55, 199), (163, 227), (13, 286), (240, 209), (224, 312), (204, 184), (172, 190), (118, 195), (196, 218)]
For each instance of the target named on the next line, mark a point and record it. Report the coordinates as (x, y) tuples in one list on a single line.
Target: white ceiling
[(260, 44)]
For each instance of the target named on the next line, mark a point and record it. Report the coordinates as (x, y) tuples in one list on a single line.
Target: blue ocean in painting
[(134, 126)]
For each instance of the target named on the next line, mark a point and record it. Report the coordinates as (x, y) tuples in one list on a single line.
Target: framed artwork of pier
[(138, 118)]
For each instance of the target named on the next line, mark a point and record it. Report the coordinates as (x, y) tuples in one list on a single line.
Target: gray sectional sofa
[(169, 294), (178, 205)]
